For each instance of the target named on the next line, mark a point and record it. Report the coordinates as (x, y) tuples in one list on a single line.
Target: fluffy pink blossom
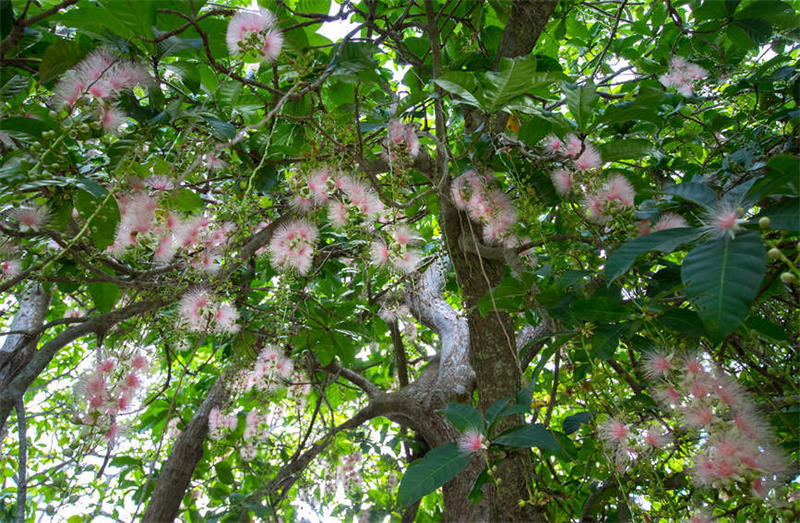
[(225, 319), (10, 268), (111, 118), (403, 235), (31, 218), (668, 396), (194, 309), (362, 197), (669, 220), (407, 262), (656, 438), (139, 362), (562, 181), (319, 185), (160, 182), (471, 441), (292, 246), (698, 416), (572, 145), (273, 43), (262, 23), (724, 220), (613, 431), (403, 134), (379, 253), (593, 207), (656, 364), (588, 159), (619, 189), (681, 75), (337, 214), (552, 143), (248, 452)]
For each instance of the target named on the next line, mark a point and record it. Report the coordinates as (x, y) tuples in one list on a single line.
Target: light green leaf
[(456, 89), (664, 241), (722, 277), (581, 101), (534, 435), (425, 475), (514, 78), (633, 148)]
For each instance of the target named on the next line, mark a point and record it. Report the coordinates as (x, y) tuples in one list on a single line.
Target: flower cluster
[(491, 207), (584, 155), (31, 217), (682, 75), (668, 220), (109, 391), (270, 368), (219, 423), (735, 445), (136, 213), (199, 312), (99, 79), (628, 443), (616, 193), (351, 473), (398, 251), (292, 246), (255, 31), (401, 141)]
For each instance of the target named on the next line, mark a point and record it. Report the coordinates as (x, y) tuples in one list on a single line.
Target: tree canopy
[(391, 260)]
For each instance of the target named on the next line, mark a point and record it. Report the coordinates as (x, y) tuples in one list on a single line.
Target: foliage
[(264, 229)]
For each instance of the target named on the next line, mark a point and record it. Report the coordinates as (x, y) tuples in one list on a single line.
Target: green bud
[(774, 253), (764, 222), (522, 503), (788, 278), (52, 114)]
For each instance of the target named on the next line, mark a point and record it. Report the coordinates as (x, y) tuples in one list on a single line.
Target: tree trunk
[(175, 476)]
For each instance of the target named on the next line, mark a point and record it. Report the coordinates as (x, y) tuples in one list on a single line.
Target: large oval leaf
[(694, 192), (722, 277), (463, 416), (529, 436), (425, 475), (665, 241)]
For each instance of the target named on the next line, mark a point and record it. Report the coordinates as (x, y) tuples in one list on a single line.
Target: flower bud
[(774, 253), (788, 278), (764, 222)]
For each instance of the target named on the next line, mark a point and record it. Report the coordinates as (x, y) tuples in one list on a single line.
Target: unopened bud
[(521, 503), (764, 222), (788, 278), (774, 253)]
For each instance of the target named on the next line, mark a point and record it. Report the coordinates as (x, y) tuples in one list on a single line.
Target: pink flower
[(292, 246), (337, 214), (262, 23), (105, 366), (248, 452), (693, 365), (703, 470), (593, 207), (69, 89), (613, 431), (226, 318), (669, 220), (656, 364), (589, 158), (698, 416), (111, 118), (403, 235), (723, 220), (32, 217), (284, 366), (562, 180), (471, 441), (552, 143), (318, 184), (407, 262), (139, 362), (379, 253), (132, 381), (668, 396), (160, 183), (194, 307), (572, 145), (619, 189), (656, 438), (271, 48), (10, 268)]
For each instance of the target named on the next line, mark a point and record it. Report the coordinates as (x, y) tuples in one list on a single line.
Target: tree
[(504, 261)]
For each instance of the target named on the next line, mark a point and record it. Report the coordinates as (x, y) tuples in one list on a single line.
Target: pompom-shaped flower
[(292, 246), (552, 143), (471, 441), (656, 364), (669, 220), (619, 190), (723, 220), (378, 253), (613, 430), (562, 181), (588, 159), (254, 30), (572, 145), (32, 217), (195, 309)]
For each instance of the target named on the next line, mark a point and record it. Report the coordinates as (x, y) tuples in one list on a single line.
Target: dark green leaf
[(425, 475), (633, 148), (534, 435), (463, 416), (722, 277), (224, 473), (572, 423), (693, 192), (60, 56), (581, 101), (664, 241), (494, 411), (476, 493), (785, 215)]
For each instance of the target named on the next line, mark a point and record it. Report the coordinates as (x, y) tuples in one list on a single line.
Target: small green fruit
[(774, 253), (788, 278), (764, 222)]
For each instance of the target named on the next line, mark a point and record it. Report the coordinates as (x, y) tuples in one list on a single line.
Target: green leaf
[(427, 474), (785, 215), (606, 340), (767, 328), (60, 56), (633, 148), (139, 16), (494, 412), (722, 277), (476, 492), (514, 78), (14, 85), (534, 435), (694, 192), (664, 241), (683, 321), (572, 423), (463, 416), (224, 473), (756, 29), (104, 223), (581, 101), (598, 309), (104, 295), (185, 200), (456, 89)]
